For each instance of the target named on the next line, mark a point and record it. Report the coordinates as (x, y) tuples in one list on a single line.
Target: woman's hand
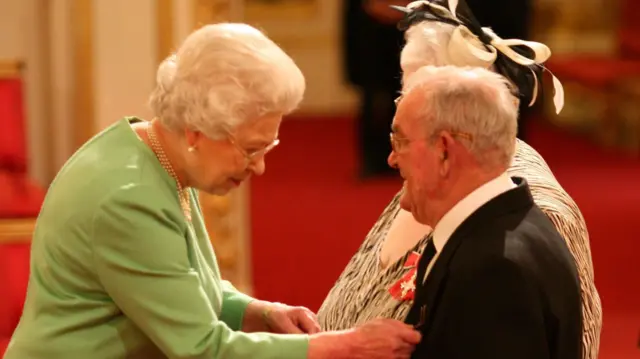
[(284, 319), (378, 339), (262, 316)]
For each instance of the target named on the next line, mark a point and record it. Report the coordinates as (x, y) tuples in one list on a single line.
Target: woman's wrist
[(266, 312), (256, 316)]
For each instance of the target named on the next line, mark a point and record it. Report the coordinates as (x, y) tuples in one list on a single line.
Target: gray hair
[(223, 75), (426, 45), (469, 100), (430, 43)]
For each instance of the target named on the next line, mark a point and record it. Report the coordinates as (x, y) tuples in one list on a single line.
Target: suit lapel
[(427, 294), (430, 291)]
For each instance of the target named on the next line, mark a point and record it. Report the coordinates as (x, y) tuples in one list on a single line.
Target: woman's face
[(217, 166)]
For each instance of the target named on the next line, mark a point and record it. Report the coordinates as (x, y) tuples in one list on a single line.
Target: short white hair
[(223, 75), (468, 100)]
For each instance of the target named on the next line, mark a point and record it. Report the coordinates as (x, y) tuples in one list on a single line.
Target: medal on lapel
[(405, 288)]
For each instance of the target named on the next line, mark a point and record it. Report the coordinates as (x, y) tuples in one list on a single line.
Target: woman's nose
[(257, 166)]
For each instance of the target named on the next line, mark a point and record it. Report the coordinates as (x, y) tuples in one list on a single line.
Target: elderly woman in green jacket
[(121, 264)]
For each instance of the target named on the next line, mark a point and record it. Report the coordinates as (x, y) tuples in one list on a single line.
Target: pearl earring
[(191, 149)]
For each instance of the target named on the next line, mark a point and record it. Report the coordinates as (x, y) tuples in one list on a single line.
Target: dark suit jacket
[(504, 286)]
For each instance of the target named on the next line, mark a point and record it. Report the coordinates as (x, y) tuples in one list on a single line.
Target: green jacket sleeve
[(234, 304), (141, 259)]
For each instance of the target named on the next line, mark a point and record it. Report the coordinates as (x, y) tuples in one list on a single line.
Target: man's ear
[(443, 144)]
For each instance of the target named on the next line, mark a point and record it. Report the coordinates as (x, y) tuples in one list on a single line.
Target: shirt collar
[(463, 209)]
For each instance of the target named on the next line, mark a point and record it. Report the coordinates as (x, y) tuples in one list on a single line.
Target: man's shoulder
[(536, 258), (520, 235), (534, 231), (537, 245)]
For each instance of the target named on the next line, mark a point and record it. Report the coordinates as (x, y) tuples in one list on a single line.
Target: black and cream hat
[(522, 62)]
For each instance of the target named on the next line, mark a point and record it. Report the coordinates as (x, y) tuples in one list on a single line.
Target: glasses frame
[(398, 142), (253, 155)]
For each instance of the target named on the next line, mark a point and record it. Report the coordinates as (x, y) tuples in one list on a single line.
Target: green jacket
[(117, 272)]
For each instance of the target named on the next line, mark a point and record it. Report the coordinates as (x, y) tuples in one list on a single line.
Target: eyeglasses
[(397, 100), (399, 142), (251, 156)]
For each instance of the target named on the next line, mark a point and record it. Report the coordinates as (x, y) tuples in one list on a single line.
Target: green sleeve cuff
[(234, 305)]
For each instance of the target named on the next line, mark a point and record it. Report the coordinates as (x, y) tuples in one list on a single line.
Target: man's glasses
[(398, 142), (397, 100)]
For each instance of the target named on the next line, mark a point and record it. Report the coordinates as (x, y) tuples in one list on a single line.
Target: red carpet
[(310, 213)]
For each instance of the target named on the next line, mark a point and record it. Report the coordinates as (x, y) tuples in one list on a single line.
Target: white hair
[(223, 75), (468, 100), (431, 43), (426, 45)]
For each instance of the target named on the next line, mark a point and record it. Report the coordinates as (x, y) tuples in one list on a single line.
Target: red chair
[(15, 236), (19, 196), (20, 201)]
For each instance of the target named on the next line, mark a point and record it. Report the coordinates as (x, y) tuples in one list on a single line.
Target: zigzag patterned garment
[(361, 292)]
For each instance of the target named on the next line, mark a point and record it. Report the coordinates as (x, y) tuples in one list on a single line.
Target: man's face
[(417, 158)]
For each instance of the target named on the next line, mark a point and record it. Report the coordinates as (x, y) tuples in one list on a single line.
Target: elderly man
[(496, 279)]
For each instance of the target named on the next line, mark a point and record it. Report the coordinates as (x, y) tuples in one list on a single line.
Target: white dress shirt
[(465, 208)]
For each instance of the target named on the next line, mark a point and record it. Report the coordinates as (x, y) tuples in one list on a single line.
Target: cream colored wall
[(183, 20), (124, 58), (312, 38), (12, 22), (61, 64), (21, 25)]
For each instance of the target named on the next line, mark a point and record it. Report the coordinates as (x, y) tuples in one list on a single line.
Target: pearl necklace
[(183, 193)]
